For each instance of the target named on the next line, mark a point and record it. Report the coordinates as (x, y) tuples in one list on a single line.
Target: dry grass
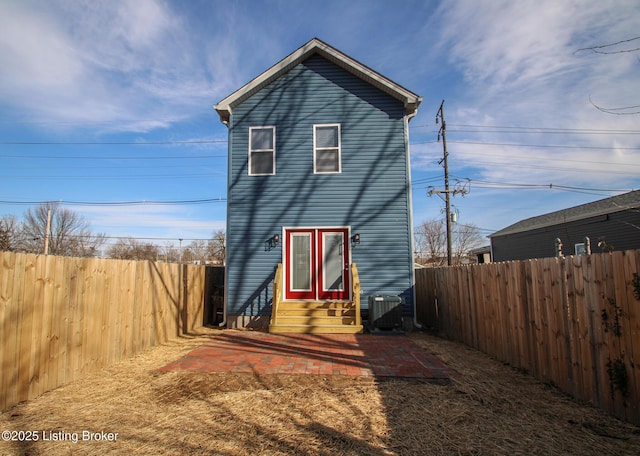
[(488, 408)]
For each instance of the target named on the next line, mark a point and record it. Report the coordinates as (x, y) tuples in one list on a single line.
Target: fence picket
[(7, 318), (628, 304), (632, 330), (62, 316), (547, 316)]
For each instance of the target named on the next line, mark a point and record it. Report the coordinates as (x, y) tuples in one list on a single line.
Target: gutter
[(407, 118)]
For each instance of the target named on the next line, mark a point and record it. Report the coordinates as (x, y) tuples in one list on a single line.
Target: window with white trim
[(262, 151), (326, 149)]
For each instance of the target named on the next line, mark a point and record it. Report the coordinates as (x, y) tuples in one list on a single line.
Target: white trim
[(273, 150), (315, 148), (316, 228), (323, 262), (311, 259)]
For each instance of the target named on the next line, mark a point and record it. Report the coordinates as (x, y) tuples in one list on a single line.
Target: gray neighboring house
[(610, 224)]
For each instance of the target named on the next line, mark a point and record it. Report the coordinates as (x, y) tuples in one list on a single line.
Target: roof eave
[(609, 210), (410, 100)]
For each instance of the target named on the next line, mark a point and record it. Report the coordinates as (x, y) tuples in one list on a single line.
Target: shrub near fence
[(62, 316), (573, 322)]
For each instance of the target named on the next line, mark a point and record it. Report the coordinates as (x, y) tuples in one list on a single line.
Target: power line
[(129, 157), (118, 203), (524, 166), (557, 168), (550, 186), (557, 146), (555, 159), (597, 49), (552, 130), (139, 238), (110, 143), (224, 141), (520, 129), (107, 241), (139, 177), (120, 167)]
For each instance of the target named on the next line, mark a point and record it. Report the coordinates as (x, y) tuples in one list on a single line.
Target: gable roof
[(622, 202), (316, 46)]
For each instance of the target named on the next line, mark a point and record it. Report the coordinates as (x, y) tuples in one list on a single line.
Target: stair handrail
[(355, 279), (277, 293)]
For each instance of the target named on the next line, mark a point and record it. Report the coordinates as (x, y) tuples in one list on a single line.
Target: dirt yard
[(487, 408)]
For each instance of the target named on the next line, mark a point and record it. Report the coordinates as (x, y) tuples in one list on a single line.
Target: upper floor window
[(326, 149), (262, 151)]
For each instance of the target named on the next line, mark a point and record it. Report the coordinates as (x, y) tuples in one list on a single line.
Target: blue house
[(319, 211)]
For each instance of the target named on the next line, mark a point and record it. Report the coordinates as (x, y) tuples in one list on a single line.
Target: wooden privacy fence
[(574, 321), (62, 316)]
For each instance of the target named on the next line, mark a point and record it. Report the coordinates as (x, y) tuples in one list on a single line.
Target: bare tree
[(169, 253), (466, 238), (196, 252), (132, 249), (206, 252), (9, 233), (216, 248), (69, 234), (431, 242)]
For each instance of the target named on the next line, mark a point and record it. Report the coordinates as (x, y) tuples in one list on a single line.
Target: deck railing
[(277, 293), (355, 279)]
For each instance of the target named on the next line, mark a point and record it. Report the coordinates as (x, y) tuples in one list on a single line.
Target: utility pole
[(47, 231), (442, 133)]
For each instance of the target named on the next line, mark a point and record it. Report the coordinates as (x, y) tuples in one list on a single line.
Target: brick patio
[(316, 354)]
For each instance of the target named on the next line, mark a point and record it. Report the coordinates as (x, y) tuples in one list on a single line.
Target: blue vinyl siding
[(370, 194)]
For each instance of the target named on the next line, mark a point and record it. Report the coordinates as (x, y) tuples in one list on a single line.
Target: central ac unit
[(385, 312)]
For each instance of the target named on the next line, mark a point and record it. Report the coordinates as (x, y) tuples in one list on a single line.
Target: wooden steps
[(317, 317)]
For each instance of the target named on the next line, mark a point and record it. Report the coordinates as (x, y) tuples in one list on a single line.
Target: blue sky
[(105, 102)]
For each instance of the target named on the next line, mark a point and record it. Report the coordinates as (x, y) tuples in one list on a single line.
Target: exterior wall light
[(355, 239), (271, 243)]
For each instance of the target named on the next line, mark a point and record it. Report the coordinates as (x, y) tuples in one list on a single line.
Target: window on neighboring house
[(262, 151), (326, 149)]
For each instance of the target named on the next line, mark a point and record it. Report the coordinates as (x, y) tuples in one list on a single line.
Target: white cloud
[(34, 51), (118, 65), (153, 220), (519, 67)]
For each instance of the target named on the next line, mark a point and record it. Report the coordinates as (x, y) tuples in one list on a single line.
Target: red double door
[(317, 263)]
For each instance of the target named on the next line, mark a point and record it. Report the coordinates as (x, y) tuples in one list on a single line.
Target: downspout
[(223, 324), (407, 118)]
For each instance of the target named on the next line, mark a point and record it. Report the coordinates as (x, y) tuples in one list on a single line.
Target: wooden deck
[(318, 317), (326, 317)]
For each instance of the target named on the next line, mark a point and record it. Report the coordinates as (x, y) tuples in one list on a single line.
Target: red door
[(300, 270), (317, 263)]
